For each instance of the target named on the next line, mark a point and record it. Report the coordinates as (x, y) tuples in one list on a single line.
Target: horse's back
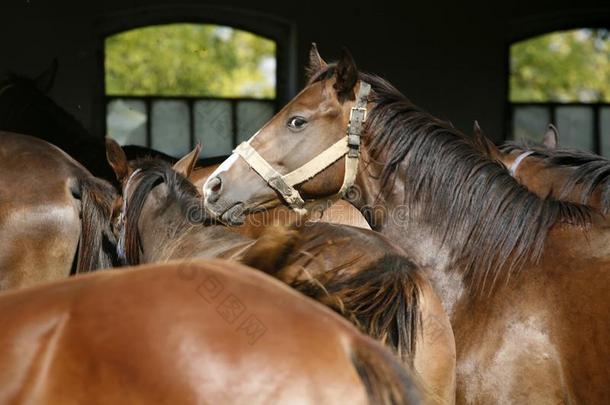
[(182, 332), (35, 172), (25, 151)]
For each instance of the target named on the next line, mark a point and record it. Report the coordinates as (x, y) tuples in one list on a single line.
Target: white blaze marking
[(225, 166)]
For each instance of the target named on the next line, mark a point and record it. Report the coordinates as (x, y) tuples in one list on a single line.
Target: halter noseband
[(515, 165), (348, 146)]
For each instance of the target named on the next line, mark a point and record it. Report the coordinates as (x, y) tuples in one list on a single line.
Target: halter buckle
[(280, 185), (358, 110)]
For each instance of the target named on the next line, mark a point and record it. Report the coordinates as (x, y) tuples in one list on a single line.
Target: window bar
[(234, 121), (509, 124), (191, 109), (597, 141), (148, 123)]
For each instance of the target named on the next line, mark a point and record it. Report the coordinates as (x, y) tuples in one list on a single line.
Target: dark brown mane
[(590, 171), (382, 299), (180, 191), (495, 224), (97, 245)]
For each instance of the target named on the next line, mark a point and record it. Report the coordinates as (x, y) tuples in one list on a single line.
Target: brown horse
[(54, 216), (567, 174), (526, 295), (356, 272), (340, 212), (216, 333), (549, 171)]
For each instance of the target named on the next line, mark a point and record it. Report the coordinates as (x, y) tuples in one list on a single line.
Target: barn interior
[(450, 58), (170, 233)]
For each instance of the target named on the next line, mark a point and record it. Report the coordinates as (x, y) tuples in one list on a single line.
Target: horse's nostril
[(217, 185), (213, 189)]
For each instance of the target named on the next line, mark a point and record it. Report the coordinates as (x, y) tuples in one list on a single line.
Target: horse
[(340, 212), (550, 171), (26, 108), (54, 215), (356, 272), (218, 332), (527, 297)]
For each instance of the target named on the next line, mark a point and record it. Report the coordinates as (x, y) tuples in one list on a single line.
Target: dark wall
[(447, 57)]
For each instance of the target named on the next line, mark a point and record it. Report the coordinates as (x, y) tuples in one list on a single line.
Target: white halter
[(515, 165), (348, 146)]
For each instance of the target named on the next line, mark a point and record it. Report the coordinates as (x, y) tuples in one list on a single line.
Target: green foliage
[(561, 66), (190, 60)]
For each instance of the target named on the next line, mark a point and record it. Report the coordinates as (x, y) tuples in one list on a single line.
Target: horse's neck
[(170, 236), (386, 214), (550, 181)]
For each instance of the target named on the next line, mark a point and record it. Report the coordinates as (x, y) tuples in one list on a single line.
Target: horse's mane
[(382, 299), (180, 191), (495, 225), (590, 171)]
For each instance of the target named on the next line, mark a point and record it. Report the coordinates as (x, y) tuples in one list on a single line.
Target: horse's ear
[(44, 81), (484, 144), (551, 137), (347, 75), (116, 158), (316, 63), (186, 165)]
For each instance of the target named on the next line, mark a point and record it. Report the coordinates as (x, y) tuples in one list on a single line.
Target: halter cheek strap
[(348, 146), (120, 247), (513, 167)]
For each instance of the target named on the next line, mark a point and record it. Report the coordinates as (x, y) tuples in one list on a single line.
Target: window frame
[(281, 31), (533, 25), (552, 107)]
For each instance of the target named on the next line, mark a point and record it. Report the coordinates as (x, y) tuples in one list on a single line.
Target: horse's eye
[(297, 122)]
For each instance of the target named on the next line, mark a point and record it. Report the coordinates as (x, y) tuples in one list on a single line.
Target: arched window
[(562, 78), (170, 86)]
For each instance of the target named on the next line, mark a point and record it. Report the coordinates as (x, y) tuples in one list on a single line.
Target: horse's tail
[(383, 300), (385, 380), (96, 239)]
